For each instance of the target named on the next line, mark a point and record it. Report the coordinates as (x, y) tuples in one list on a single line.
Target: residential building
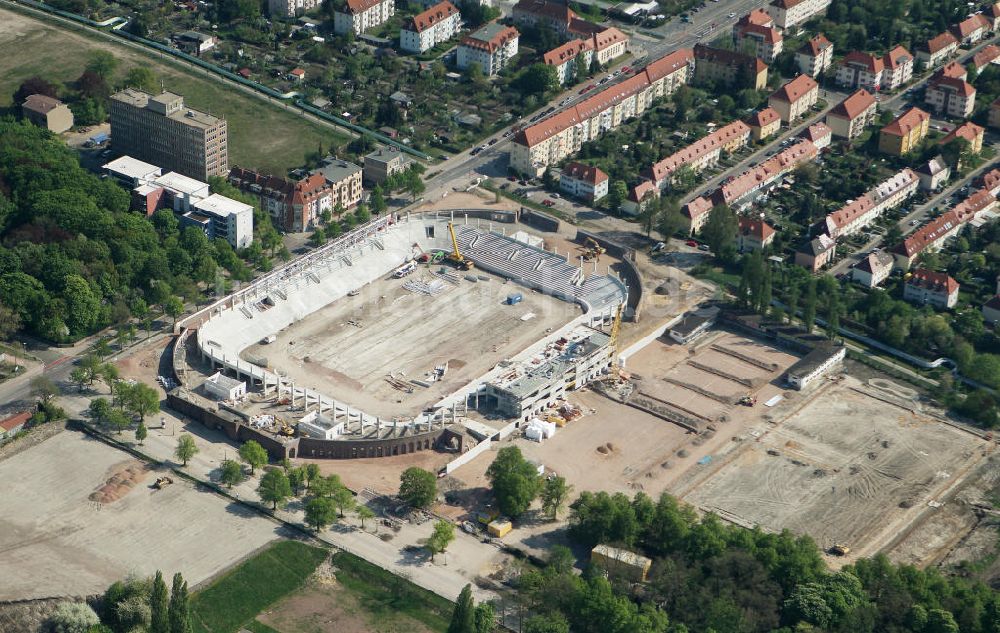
[(223, 217), (569, 58), (429, 28), (822, 359), (358, 16), (991, 310), (740, 191), (290, 8), (294, 206), (862, 70), (990, 181), (701, 154), (972, 29), (820, 134), (640, 197), (954, 97), (873, 269), (937, 49), (553, 13), (993, 15), (382, 163), (905, 132), (764, 123), (551, 140), (815, 56), (345, 180), (195, 43), (47, 112), (994, 116), (816, 253), (297, 74), (753, 234), (929, 287), (695, 214), (609, 44), (851, 116), (933, 174), (968, 131), (583, 181), (989, 55), (130, 172), (12, 425), (491, 47), (795, 98), (788, 14), (861, 212), (934, 234), (754, 34), (954, 70), (717, 65), (162, 130)]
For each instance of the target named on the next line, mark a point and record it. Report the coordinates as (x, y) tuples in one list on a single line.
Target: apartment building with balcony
[(491, 47), (905, 132), (951, 96), (789, 14), (795, 98), (937, 49), (358, 16), (815, 56), (754, 34), (850, 117)]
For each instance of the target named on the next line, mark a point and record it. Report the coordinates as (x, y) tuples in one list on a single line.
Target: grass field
[(260, 135), (234, 599)]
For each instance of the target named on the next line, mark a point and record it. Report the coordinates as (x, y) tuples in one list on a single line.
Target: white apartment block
[(951, 95), (491, 47), (426, 30), (861, 70), (290, 8), (788, 14), (815, 56), (360, 15), (561, 135)]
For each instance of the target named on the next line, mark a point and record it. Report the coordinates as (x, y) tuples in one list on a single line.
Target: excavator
[(456, 257), (592, 251)]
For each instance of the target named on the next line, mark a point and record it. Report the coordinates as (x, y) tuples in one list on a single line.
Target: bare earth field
[(55, 541), (349, 347)]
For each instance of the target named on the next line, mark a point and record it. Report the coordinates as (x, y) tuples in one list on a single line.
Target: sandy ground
[(348, 348), (379, 474), (56, 542)]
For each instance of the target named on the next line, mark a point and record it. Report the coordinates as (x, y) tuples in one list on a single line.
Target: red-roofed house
[(491, 47), (754, 34), (859, 213), (816, 253), (358, 16), (429, 28), (9, 427), (972, 29), (926, 286), (738, 192), (989, 55), (795, 98), (764, 123), (852, 115), (954, 97), (729, 67), (788, 14), (566, 58), (608, 44), (815, 56), (753, 234), (990, 181), (820, 134), (639, 197), (993, 15), (904, 133), (44, 111), (552, 13), (861, 70), (937, 49), (970, 132), (583, 181), (695, 214), (297, 74), (294, 206), (934, 234), (701, 154)]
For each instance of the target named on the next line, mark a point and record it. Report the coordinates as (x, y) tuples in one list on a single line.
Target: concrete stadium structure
[(292, 293)]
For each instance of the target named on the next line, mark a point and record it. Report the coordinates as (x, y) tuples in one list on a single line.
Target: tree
[(554, 622), (141, 400), (669, 219), (102, 64), (274, 488), (74, 617), (34, 86), (143, 78), (377, 201), (720, 231), (343, 499), (296, 479), (83, 308), (79, 376), (418, 487), (141, 433), (441, 537), (514, 480), (809, 306), (536, 79), (365, 513), (186, 448), (174, 307), (463, 618), (98, 409), (10, 322), (486, 618), (311, 473), (231, 473), (159, 605), (617, 195), (117, 420), (320, 512), (253, 454), (43, 389), (178, 612), (554, 494), (413, 184)]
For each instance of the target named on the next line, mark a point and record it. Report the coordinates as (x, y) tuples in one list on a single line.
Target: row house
[(873, 269), (850, 117), (569, 58), (858, 214), (764, 123), (358, 16), (815, 56), (972, 29), (989, 55), (862, 70), (934, 234), (728, 67), (927, 287), (937, 49), (905, 132), (795, 98), (753, 234), (970, 132), (754, 34), (740, 191), (429, 28), (583, 181), (701, 154), (491, 48), (788, 14), (951, 96), (551, 140)]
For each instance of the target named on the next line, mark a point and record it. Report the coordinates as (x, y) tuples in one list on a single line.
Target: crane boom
[(455, 253)]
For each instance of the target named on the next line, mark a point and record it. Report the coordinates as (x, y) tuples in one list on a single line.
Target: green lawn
[(261, 135), (235, 599)]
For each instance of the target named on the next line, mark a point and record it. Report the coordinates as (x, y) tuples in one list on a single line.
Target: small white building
[(933, 174), (491, 48), (815, 364), (691, 327), (230, 219), (130, 172), (320, 426), (360, 15), (873, 269), (583, 181), (223, 387)]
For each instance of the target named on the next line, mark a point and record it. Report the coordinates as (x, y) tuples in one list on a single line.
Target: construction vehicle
[(747, 401), (456, 257), (286, 429), (840, 550), (161, 482), (592, 251)]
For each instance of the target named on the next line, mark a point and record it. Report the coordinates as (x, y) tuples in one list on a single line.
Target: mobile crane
[(456, 257)]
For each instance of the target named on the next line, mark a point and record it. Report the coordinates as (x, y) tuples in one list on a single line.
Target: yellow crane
[(456, 257)]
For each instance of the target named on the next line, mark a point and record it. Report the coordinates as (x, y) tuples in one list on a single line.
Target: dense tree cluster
[(881, 24)]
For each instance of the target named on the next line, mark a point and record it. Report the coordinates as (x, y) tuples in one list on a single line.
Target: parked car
[(548, 203), (703, 247), (691, 243)]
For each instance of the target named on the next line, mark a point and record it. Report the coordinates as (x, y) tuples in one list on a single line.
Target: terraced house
[(701, 154), (858, 214), (551, 140)]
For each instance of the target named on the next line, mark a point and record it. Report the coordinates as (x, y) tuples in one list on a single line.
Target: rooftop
[(335, 169), (875, 262), (933, 281), (795, 89), (14, 421), (854, 106), (179, 183), (907, 122), (131, 167), (490, 37), (940, 42), (586, 173), (41, 104), (815, 45), (221, 206), (552, 362), (814, 359), (437, 13), (187, 116), (561, 54), (968, 130), (764, 117)]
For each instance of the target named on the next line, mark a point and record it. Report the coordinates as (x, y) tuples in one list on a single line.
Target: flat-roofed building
[(621, 562), (230, 219), (47, 112), (161, 130), (130, 172)]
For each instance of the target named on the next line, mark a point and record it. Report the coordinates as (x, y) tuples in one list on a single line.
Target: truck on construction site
[(404, 270)]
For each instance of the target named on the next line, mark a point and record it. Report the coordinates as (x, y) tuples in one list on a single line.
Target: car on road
[(493, 142), (556, 196), (691, 243), (913, 223), (587, 89), (703, 247), (731, 15), (548, 203), (626, 69), (476, 151)]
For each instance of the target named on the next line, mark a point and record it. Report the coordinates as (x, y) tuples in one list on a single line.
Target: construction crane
[(456, 257)]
